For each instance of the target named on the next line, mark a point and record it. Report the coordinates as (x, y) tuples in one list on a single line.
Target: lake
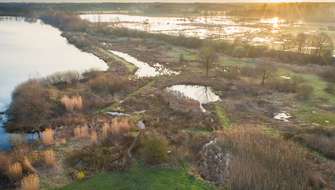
[(33, 50)]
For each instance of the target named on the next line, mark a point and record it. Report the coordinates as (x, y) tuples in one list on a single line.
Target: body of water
[(202, 94), (33, 50)]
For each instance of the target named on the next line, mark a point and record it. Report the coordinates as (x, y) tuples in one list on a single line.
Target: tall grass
[(72, 103), (262, 162), (50, 158), (94, 137), (81, 132), (15, 170), (48, 137), (30, 182)]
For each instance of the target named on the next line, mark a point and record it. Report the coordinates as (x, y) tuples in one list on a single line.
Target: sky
[(178, 1)]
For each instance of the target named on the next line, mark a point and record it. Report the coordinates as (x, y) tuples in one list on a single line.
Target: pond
[(31, 50), (144, 69), (202, 94)]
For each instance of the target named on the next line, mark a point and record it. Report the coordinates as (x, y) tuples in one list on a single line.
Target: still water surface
[(33, 49)]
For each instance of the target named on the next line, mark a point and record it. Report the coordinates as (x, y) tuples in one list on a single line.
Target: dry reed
[(15, 170), (50, 158), (30, 182), (72, 103), (81, 132), (94, 137), (48, 137)]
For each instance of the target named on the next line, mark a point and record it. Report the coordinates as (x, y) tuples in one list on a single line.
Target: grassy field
[(141, 178)]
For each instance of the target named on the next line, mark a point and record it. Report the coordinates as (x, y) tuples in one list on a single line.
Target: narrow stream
[(144, 69)]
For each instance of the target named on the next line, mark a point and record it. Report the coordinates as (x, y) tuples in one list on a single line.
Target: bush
[(328, 75), (106, 155), (108, 84), (68, 77), (263, 162), (304, 92), (154, 148), (31, 108)]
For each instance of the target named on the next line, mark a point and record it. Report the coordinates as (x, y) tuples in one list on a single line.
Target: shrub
[(328, 75), (80, 175), (108, 84), (304, 92), (263, 162), (48, 137), (154, 148), (68, 77), (103, 156), (31, 108), (287, 86), (31, 182), (15, 171), (72, 103)]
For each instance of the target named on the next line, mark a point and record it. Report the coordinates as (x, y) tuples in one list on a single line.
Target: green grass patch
[(310, 115), (221, 114), (141, 178)]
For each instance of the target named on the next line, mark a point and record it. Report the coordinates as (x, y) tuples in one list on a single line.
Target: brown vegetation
[(72, 103), (48, 137), (260, 161), (30, 182)]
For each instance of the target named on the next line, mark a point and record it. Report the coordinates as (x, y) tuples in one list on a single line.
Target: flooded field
[(37, 52), (271, 32)]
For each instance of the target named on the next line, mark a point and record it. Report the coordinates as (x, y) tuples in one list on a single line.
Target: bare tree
[(323, 44), (301, 41), (266, 71), (208, 57)]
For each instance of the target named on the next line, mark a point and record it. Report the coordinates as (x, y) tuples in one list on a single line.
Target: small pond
[(202, 94)]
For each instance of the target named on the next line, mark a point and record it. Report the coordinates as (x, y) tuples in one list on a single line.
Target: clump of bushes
[(263, 162), (154, 148), (108, 84), (69, 77), (328, 75), (31, 108)]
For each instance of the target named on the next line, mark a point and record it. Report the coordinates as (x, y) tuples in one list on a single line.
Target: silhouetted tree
[(208, 57)]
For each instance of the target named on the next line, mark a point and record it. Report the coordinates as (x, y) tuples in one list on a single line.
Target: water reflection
[(33, 49)]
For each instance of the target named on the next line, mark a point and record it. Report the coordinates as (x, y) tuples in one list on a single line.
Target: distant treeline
[(306, 11), (322, 55)]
